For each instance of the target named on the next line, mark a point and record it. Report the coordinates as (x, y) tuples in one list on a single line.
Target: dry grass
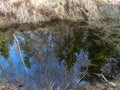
[(25, 11), (7, 87)]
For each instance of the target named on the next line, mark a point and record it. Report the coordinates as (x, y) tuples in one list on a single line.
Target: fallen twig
[(67, 86), (83, 75), (110, 83)]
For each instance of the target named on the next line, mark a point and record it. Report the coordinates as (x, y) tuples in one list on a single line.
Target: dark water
[(58, 55)]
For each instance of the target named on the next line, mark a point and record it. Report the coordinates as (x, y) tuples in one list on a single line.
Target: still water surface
[(57, 55)]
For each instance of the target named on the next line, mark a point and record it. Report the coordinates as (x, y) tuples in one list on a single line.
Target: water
[(57, 56)]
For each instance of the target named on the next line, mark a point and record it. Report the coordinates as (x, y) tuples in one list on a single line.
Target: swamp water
[(58, 56)]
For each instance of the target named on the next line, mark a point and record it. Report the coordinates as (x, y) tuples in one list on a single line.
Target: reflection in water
[(55, 56), (4, 45)]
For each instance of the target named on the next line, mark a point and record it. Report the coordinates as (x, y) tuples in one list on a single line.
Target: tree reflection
[(67, 40), (101, 47), (99, 43), (73, 42), (4, 46)]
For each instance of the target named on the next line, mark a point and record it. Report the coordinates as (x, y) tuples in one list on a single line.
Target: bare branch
[(20, 53), (83, 75), (110, 83)]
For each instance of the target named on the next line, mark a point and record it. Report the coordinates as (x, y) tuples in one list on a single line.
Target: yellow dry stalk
[(15, 1), (38, 2)]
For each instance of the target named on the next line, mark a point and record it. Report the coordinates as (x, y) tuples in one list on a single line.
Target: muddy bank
[(42, 25)]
